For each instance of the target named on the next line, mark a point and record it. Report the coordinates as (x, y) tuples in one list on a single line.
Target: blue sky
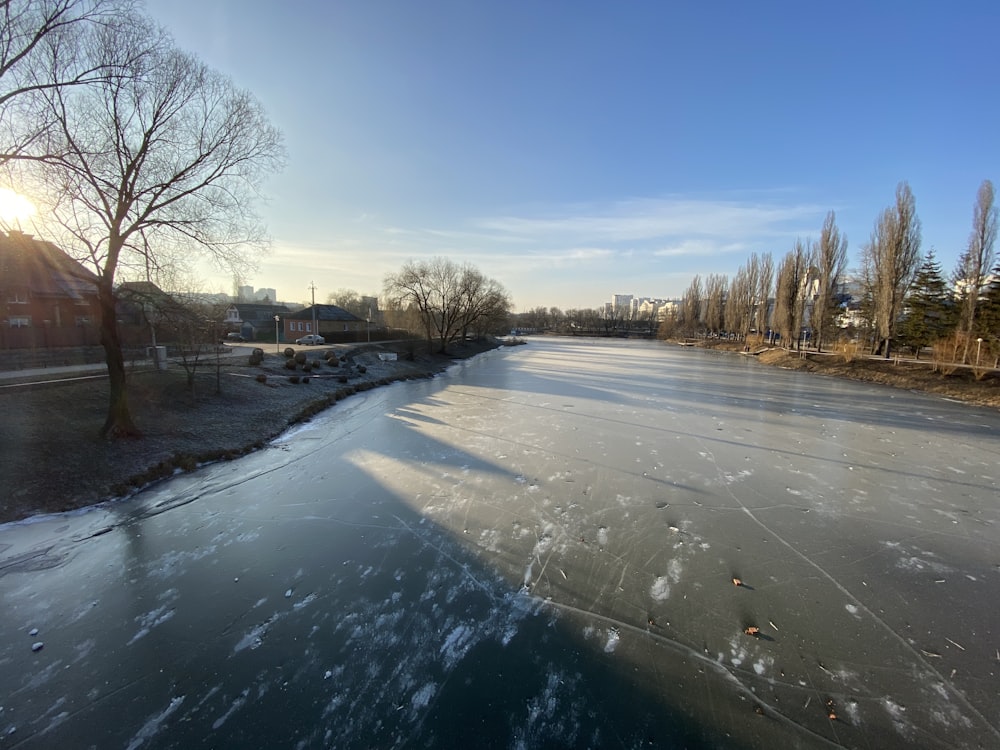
[(573, 150)]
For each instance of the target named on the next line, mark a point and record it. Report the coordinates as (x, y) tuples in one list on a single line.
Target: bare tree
[(764, 275), (363, 306), (739, 302), (716, 288), (830, 260), (691, 306), (449, 299), (973, 272), (790, 293), (151, 166), (40, 42), (889, 263), (668, 324), (484, 303)]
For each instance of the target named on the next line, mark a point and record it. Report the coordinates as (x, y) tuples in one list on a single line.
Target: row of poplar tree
[(899, 297)]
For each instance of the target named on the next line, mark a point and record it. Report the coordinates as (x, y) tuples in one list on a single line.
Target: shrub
[(293, 378), (256, 356), (848, 351), (305, 380), (185, 461), (307, 367), (342, 379), (362, 369), (946, 353), (300, 357), (289, 352), (261, 378), (316, 364), (290, 364)]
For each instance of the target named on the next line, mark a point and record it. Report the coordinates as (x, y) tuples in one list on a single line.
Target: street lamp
[(979, 345), (277, 345)]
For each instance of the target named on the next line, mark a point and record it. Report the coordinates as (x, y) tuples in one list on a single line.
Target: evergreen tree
[(930, 309), (988, 313)]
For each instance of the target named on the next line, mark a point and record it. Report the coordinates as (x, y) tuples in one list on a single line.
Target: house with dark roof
[(248, 318), (331, 322), (47, 299), (140, 303)]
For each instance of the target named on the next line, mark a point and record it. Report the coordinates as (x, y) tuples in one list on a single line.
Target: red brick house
[(332, 322), (47, 299)]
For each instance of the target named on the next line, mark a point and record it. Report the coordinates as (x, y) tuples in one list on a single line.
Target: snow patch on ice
[(545, 541), (489, 539), (660, 590), (254, 638), (168, 564), (853, 609), (305, 602), (915, 559), (149, 621), (674, 569), (422, 697), (236, 705), (456, 644), (612, 642), (602, 536), (83, 649), (287, 436), (551, 722), (898, 715), (152, 725)]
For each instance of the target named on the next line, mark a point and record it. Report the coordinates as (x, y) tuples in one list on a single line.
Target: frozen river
[(537, 549)]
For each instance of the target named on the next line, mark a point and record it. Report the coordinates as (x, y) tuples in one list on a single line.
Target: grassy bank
[(51, 459), (970, 385)]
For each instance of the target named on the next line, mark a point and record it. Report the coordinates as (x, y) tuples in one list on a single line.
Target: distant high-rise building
[(621, 301), (244, 293), (268, 294)]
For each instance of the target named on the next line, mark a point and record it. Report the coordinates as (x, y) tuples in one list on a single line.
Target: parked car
[(234, 336), (311, 339)]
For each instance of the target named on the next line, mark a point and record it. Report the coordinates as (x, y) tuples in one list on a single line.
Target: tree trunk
[(119, 422)]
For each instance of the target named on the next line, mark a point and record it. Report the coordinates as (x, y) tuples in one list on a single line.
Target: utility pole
[(312, 286)]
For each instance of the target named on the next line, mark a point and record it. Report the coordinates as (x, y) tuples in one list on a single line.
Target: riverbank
[(51, 459), (958, 383)]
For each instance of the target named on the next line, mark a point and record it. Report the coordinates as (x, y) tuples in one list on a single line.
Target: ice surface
[(544, 540)]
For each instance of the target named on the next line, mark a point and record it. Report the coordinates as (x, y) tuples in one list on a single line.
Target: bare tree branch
[(152, 165)]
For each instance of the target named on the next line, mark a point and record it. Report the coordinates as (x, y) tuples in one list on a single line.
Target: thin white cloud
[(697, 248), (556, 255), (658, 218)]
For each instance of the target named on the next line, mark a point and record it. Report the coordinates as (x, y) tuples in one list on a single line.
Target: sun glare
[(14, 207)]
